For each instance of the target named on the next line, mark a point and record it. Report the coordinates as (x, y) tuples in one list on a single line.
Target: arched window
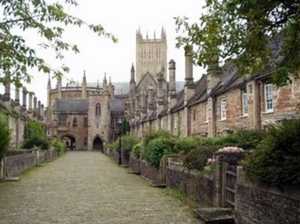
[(98, 109), (74, 122)]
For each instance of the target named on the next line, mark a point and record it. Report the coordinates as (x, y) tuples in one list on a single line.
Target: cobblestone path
[(87, 188)]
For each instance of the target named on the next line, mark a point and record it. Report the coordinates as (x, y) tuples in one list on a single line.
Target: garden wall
[(15, 165), (194, 184), (256, 204), (134, 164)]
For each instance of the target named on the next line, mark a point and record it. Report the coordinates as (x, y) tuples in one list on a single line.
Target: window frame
[(268, 97), (245, 102), (223, 110)]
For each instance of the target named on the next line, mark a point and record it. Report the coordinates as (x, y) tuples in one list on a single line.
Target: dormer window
[(269, 105)]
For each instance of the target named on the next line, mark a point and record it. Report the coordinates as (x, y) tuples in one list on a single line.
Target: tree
[(4, 134), (257, 36), (48, 20)]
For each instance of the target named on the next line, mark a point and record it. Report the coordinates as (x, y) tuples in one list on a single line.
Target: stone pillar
[(17, 95), (254, 103), (42, 112), (35, 106), (189, 65), (189, 89), (211, 115), (172, 85), (39, 109), (7, 86), (24, 98), (30, 101)]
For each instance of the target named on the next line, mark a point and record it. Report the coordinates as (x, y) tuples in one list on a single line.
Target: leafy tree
[(47, 19), (250, 33)]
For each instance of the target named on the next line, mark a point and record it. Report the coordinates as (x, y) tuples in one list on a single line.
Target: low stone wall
[(134, 164), (150, 172), (256, 204), (194, 184), (15, 165)]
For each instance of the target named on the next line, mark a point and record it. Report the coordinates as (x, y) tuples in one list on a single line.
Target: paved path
[(87, 188)]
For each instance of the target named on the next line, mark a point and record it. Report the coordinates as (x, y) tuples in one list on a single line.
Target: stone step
[(215, 215)]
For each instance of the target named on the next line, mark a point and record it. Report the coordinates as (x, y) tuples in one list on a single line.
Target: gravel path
[(87, 188)]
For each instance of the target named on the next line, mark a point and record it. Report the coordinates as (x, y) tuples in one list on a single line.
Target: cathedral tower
[(151, 55)]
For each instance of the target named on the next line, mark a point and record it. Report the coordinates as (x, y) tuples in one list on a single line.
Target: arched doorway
[(97, 144), (70, 142)]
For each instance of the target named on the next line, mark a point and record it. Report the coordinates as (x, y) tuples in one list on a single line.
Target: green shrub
[(36, 142), (276, 159), (4, 134), (35, 136), (157, 134), (128, 142), (248, 139), (137, 150), (114, 145), (186, 144), (197, 158), (58, 145), (157, 148)]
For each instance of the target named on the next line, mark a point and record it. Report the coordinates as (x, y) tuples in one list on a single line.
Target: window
[(245, 106), (194, 114), (223, 110), (269, 97), (62, 119), (75, 122), (98, 109), (85, 122)]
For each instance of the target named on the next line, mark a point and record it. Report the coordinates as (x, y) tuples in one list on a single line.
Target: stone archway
[(98, 144), (69, 141)]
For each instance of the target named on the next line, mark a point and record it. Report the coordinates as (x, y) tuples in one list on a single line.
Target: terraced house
[(219, 103)]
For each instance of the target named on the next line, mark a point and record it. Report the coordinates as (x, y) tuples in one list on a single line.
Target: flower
[(230, 149), (211, 161)]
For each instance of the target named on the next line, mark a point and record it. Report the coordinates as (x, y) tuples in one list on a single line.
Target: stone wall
[(134, 164), (15, 165), (149, 172), (195, 185), (257, 204)]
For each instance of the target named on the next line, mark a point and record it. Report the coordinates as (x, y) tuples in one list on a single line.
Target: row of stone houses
[(220, 102), (19, 109)]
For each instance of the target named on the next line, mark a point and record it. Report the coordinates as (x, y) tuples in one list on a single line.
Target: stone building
[(20, 105), (220, 102), (85, 116)]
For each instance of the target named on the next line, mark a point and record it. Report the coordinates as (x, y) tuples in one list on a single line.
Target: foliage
[(58, 145), (128, 142), (46, 19), (276, 159), (186, 144), (137, 149), (241, 31), (35, 135), (36, 142), (157, 148), (4, 134), (156, 134), (114, 145), (197, 158)]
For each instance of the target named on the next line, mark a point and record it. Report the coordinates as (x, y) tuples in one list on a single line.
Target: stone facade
[(84, 116), (18, 112), (220, 102)]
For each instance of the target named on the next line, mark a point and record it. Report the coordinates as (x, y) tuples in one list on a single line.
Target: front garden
[(271, 157)]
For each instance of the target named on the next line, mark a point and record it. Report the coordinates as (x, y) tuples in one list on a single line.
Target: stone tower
[(151, 55)]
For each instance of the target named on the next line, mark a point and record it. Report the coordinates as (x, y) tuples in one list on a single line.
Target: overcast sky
[(122, 18)]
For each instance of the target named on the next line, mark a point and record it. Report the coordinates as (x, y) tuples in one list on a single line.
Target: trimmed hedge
[(275, 162), (35, 136)]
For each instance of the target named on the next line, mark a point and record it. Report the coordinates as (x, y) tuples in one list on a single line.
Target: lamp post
[(120, 139)]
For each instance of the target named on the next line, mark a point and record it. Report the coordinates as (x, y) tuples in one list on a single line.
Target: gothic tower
[(151, 55)]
